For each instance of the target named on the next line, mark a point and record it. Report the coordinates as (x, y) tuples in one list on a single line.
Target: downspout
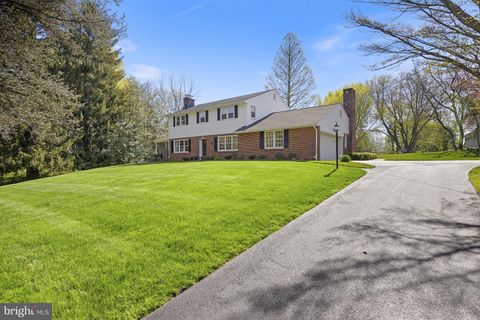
[(316, 142)]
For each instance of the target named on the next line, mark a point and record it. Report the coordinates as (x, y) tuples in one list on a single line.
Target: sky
[(227, 47)]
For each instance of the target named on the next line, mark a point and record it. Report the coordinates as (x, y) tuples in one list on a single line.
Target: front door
[(204, 148)]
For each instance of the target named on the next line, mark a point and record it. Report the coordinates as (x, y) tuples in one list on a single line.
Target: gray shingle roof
[(204, 106), (290, 119)]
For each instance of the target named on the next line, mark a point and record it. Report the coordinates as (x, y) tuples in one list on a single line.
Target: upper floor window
[(227, 143), (227, 113), (202, 116), (180, 120), (274, 139), (253, 112)]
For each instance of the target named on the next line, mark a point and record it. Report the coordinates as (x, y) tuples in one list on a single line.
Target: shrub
[(186, 158), (261, 157), (292, 156), (345, 158), (363, 156), (252, 157), (228, 157), (280, 156)]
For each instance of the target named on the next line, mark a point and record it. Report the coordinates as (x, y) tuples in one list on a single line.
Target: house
[(472, 139), (259, 125)]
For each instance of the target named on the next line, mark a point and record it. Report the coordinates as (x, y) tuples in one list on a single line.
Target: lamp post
[(335, 128)]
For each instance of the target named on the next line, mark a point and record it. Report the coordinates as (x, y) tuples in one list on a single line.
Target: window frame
[(253, 112), (228, 112), (274, 139), (222, 141), (185, 146), (181, 120), (204, 117)]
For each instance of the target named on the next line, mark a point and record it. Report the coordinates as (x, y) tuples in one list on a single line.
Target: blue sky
[(228, 46)]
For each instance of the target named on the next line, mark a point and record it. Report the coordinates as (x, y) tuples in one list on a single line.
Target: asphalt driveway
[(401, 243)]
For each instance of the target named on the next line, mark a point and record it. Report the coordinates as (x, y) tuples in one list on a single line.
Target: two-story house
[(260, 125)]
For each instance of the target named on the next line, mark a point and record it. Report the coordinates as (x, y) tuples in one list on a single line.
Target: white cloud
[(145, 72), (192, 9), (126, 45), (328, 44)]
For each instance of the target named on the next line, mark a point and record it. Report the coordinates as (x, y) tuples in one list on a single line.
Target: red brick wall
[(301, 145)]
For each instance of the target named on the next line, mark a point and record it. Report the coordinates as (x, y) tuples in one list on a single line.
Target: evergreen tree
[(92, 68)]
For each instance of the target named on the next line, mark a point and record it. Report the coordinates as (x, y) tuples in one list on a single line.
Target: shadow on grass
[(330, 173), (410, 259)]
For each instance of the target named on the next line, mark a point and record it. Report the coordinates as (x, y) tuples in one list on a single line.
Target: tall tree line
[(425, 109), (65, 101)]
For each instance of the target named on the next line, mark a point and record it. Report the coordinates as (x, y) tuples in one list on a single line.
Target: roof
[(296, 118), (204, 106)]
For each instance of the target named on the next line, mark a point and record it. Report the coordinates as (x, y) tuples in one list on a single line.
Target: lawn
[(474, 176), (117, 242), (442, 155)]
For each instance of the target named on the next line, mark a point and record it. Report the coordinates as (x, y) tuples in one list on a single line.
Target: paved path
[(401, 243)]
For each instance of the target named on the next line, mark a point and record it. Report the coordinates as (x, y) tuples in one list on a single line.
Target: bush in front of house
[(363, 156), (345, 158)]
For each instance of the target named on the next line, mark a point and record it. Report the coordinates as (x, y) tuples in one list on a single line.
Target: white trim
[(224, 137), (185, 143), (274, 139)]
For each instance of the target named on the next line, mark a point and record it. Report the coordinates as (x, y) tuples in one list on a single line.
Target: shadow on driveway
[(408, 262)]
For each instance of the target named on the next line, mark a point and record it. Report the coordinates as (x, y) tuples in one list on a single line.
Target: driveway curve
[(401, 243)]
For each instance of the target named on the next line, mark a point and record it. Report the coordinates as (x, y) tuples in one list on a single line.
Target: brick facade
[(301, 146)]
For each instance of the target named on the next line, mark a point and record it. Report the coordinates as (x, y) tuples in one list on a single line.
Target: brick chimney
[(349, 106), (188, 101)]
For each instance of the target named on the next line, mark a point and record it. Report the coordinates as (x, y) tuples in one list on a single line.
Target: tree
[(166, 95), (36, 107), (364, 114), (92, 68), (449, 96), (449, 32), (401, 108), (290, 74), (137, 126)]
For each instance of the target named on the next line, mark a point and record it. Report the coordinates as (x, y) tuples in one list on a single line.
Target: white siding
[(337, 115), (265, 104), (327, 135), (213, 126)]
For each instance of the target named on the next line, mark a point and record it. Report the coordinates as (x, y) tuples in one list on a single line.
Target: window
[(227, 143), (227, 112), (253, 112), (274, 139), (182, 120), (181, 146), (202, 116)]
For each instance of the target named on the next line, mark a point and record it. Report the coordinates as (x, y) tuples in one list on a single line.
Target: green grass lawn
[(442, 155), (474, 176), (117, 242)]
